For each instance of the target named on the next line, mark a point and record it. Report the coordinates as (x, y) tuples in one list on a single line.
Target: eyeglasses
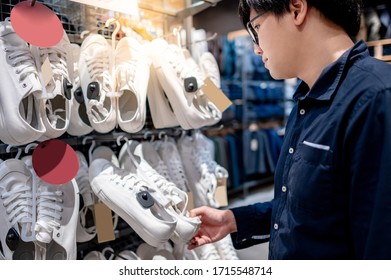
[(250, 29)]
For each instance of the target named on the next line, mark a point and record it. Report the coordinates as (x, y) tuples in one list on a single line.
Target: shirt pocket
[(311, 179)]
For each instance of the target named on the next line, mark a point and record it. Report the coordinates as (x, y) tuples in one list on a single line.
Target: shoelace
[(22, 60), (162, 169), (18, 204), (129, 180), (55, 115), (179, 64), (169, 190), (56, 57), (125, 73), (49, 209), (98, 68), (175, 167)]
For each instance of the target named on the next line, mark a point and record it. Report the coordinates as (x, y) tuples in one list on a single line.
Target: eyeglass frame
[(250, 29)]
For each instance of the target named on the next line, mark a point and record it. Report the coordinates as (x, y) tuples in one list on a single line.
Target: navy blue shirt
[(332, 197)]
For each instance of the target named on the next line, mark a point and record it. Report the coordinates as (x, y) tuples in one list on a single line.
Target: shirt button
[(302, 112), (291, 150), (283, 189), (275, 226)]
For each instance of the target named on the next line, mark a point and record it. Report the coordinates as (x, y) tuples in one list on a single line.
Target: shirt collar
[(331, 76)]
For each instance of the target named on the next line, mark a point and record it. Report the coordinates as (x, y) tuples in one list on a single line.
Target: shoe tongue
[(36, 86)]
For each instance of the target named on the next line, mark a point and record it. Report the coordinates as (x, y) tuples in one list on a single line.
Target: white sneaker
[(180, 82), (94, 256), (127, 255), (105, 152), (162, 113), (132, 77), (174, 199), (147, 252), (20, 119), (130, 197), (202, 183), (170, 155), (210, 68), (85, 231), (57, 215), (79, 123), (207, 252), (201, 99), (16, 211), (225, 248), (56, 96), (204, 147), (95, 68)]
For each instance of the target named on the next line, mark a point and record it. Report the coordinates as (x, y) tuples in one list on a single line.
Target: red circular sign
[(55, 162), (37, 25)]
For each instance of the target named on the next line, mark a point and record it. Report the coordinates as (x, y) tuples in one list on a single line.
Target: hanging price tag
[(37, 25)]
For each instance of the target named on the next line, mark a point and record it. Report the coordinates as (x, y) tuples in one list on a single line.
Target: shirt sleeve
[(368, 157), (253, 224)]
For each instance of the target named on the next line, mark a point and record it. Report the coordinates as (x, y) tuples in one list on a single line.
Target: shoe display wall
[(100, 88)]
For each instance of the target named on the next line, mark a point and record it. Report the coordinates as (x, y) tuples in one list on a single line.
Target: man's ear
[(298, 10)]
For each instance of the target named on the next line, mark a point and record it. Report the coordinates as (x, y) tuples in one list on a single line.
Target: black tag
[(67, 88), (191, 84), (145, 199), (12, 239), (79, 95), (93, 90)]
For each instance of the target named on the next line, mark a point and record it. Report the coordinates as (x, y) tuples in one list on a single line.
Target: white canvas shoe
[(207, 252), (162, 113), (181, 84), (127, 255), (202, 183), (210, 68), (20, 117), (86, 230), (95, 68), (131, 198), (57, 217), (132, 77), (174, 199), (170, 155), (201, 99), (225, 249), (16, 211), (94, 256), (79, 123), (147, 252), (204, 148), (106, 153), (57, 94)]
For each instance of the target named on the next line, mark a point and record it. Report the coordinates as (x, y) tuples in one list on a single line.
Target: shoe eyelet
[(58, 234), (24, 85)]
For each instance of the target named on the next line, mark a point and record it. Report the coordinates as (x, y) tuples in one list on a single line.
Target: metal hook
[(33, 3), (29, 146), (161, 133), (116, 30), (8, 150), (84, 141)]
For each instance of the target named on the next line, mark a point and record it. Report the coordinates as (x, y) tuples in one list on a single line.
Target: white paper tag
[(215, 95), (47, 71)]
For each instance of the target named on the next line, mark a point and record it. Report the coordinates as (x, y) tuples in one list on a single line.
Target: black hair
[(345, 13)]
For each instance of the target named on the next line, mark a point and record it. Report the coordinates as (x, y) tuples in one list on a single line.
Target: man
[(332, 196)]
